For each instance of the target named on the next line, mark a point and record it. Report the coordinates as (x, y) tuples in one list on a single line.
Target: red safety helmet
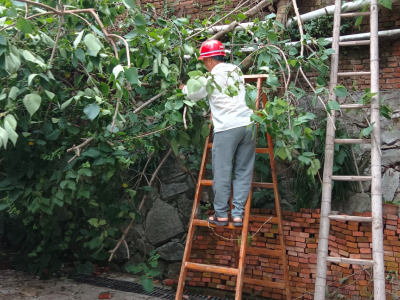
[(212, 48)]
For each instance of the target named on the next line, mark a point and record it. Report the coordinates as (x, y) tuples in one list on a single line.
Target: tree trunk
[(281, 14)]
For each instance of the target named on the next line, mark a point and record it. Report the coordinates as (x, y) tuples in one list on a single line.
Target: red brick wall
[(347, 239), (357, 59)]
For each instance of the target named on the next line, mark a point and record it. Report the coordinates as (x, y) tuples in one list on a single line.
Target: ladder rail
[(190, 234), (376, 189), (320, 282)]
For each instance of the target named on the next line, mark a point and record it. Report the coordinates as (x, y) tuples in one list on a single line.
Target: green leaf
[(104, 88), (10, 119), (293, 51), (130, 3), (205, 131), (132, 76), (273, 37), (174, 145), (147, 283), (92, 152), (24, 26), (91, 111), (154, 273), (241, 16), (139, 20), (341, 91), (85, 172), (80, 54), (78, 39), (12, 135), (117, 69), (93, 221), (366, 131), (193, 86), (164, 69), (32, 103), (93, 44), (3, 137), (386, 3), (95, 242), (188, 49), (195, 73), (333, 105)]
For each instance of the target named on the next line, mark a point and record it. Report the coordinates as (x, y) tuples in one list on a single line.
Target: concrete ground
[(20, 286)]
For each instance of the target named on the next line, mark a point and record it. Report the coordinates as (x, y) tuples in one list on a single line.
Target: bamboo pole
[(351, 178), (346, 74), (329, 10), (352, 141), (350, 218), (320, 281), (343, 260), (376, 193)]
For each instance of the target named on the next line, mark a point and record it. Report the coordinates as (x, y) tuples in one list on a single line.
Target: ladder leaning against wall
[(240, 259), (375, 178)]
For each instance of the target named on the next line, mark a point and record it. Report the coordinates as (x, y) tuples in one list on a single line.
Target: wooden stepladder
[(375, 178), (194, 221)]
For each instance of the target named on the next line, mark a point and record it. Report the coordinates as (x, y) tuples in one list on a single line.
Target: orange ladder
[(239, 271)]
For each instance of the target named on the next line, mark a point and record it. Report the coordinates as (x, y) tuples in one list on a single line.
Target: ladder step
[(350, 218), (352, 141), (258, 150), (210, 268), (351, 178), (206, 182), (204, 223), (263, 251), (265, 283), (354, 43), (265, 185), (263, 150), (350, 261), (355, 106), (262, 219), (356, 14), (345, 74)]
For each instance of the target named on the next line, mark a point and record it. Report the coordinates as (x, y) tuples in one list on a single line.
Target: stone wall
[(347, 239)]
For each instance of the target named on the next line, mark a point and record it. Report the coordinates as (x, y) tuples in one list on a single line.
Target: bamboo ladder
[(240, 261), (375, 178)]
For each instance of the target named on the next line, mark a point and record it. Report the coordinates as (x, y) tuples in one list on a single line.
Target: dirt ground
[(19, 286)]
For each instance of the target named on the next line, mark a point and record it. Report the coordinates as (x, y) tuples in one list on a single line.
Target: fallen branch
[(79, 148), (147, 103), (184, 117), (112, 252), (248, 14)]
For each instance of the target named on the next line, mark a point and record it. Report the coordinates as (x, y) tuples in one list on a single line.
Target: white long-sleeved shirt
[(227, 112)]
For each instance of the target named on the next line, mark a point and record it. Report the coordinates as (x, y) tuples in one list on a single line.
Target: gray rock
[(169, 190), (389, 137), (390, 156), (357, 203), (136, 231), (170, 170), (171, 251), (173, 270), (162, 223), (141, 246), (185, 205), (390, 183)]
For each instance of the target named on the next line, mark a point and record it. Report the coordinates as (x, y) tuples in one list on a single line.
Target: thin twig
[(79, 148), (144, 169), (57, 38), (150, 133), (184, 117)]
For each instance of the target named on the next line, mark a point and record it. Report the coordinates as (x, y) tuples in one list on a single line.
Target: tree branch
[(112, 252), (57, 38), (79, 148), (144, 169), (147, 103), (248, 14)]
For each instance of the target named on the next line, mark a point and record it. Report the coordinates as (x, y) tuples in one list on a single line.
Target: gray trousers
[(235, 145)]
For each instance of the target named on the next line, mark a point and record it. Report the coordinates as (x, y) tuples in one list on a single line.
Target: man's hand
[(182, 86)]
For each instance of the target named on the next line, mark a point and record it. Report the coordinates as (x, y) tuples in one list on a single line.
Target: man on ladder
[(232, 135)]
